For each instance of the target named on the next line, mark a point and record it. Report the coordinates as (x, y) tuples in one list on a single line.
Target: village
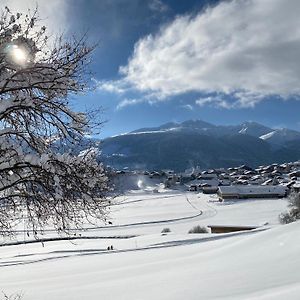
[(242, 182)]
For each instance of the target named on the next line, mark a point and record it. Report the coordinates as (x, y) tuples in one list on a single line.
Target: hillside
[(180, 146), (262, 264)]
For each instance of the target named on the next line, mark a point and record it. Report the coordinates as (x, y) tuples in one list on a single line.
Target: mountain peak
[(196, 124), (254, 129)]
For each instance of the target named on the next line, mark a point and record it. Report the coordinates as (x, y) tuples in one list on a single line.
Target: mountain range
[(192, 143)]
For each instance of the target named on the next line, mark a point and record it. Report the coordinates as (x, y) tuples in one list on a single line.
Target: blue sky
[(224, 62)]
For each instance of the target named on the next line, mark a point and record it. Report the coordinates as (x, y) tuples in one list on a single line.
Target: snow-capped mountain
[(197, 143), (281, 136), (198, 126)]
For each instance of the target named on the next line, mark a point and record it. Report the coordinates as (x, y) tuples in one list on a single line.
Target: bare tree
[(37, 78)]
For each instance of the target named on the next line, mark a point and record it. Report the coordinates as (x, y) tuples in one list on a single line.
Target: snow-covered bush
[(198, 229), (11, 297), (37, 78), (294, 212)]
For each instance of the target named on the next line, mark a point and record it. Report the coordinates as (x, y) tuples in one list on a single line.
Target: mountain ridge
[(274, 136), (191, 143)]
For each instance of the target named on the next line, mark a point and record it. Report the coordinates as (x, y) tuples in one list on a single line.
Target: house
[(268, 182), (193, 188), (294, 174), (209, 189), (296, 187), (210, 176), (229, 228), (245, 168), (154, 175), (225, 182), (207, 182), (251, 191)]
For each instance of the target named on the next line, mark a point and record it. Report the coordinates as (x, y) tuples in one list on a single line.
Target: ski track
[(147, 223), (102, 251)]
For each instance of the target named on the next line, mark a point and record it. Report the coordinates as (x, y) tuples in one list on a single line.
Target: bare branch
[(36, 80)]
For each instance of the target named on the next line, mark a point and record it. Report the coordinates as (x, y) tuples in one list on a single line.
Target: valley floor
[(259, 264)]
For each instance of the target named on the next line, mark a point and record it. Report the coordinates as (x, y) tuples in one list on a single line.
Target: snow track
[(30, 258)]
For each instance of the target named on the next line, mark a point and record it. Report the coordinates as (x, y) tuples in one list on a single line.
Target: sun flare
[(18, 55)]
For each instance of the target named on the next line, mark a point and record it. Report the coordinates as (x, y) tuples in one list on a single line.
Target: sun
[(18, 55)]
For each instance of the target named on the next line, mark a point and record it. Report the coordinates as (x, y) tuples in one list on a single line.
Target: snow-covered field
[(261, 264)]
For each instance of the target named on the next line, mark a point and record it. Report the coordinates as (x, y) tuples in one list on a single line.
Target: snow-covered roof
[(252, 189), (297, 185)]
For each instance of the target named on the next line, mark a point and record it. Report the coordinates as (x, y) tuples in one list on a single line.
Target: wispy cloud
[(248, 49), (238, 99), (214, 101), (158, 6), (128, 102), (187, 107), (111, 86)]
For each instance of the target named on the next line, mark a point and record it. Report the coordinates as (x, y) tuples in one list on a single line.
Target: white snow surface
[(268, 135), (149, 131), (259, 264), (243, 130)]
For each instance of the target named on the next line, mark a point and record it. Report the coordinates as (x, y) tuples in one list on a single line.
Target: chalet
[(251, 191)]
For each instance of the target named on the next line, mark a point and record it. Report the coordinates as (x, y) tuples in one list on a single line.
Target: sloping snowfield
[(259, 264)]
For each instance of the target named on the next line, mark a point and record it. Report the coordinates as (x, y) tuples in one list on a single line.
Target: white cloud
[(249, 48), (116, 87), (216, 101), (187, 107), (128, 102), (53, 13)]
